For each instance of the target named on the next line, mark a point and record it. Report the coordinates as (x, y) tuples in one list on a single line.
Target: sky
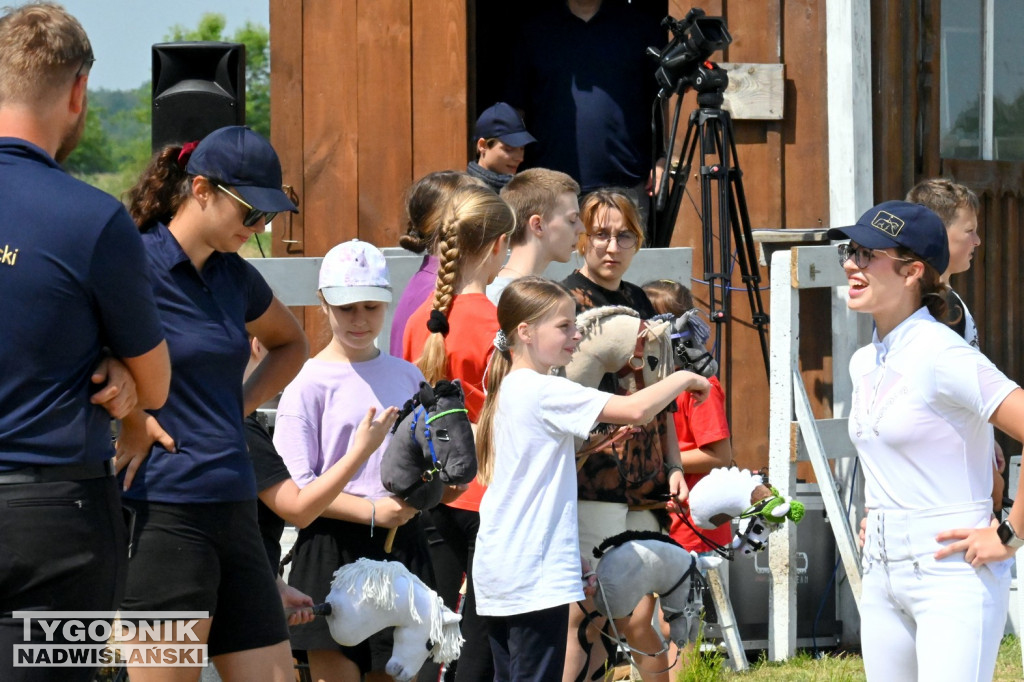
[(122, 32)]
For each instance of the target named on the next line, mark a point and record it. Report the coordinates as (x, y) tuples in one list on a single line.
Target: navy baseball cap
[(505, 123), (900, 223), (242, 158)]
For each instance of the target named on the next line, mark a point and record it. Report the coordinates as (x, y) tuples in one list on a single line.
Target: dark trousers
[(530, 647), (452, 544), (63, 547)]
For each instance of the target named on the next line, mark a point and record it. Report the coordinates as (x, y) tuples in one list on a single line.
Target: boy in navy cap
[(501, 139)]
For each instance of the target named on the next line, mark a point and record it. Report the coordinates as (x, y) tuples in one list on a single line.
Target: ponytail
[(934, 292), (434, 360), (527, 299), (162, 188), (424, 203), (500, 364)]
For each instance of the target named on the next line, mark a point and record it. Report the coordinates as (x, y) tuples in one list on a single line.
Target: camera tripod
[(721, 178)]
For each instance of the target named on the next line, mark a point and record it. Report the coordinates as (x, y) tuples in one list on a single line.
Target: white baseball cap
[(354, 271)]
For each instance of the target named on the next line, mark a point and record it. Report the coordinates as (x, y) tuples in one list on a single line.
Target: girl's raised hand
[(371, 432)]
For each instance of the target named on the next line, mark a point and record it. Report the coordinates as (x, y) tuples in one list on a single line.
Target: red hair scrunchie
[(186, 152)]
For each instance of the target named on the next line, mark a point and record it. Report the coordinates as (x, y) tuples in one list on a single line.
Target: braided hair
[(473, 219)]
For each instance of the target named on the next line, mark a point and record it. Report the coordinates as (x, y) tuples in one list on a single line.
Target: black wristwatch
[(1008, 536)]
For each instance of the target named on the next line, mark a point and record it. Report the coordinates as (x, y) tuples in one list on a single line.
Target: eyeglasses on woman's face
[(253, 215), (624, 240), (862, 255)]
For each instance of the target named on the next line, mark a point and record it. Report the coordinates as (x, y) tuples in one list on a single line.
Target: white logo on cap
[(888, 223)]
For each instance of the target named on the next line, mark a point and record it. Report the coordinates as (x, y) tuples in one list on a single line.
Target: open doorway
[(493, 29)]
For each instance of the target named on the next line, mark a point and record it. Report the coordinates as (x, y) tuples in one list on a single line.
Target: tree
[(92, 155)]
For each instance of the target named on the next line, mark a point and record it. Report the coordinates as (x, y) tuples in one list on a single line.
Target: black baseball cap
[(900, 223), (503, 122), (242, 158)]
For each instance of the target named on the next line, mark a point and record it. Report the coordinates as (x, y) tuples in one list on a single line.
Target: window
[(982, 89)]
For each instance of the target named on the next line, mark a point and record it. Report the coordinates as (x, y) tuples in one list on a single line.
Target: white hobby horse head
[(368, 596), (638, 563), (734, 493)]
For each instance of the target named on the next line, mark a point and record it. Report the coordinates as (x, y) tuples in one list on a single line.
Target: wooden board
[(755, 91), (440, 127)]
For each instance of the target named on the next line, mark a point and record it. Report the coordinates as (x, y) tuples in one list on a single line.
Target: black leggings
[(452, 545)]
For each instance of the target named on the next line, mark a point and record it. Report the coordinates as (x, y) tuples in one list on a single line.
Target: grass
[(833, 667), (251, 249)]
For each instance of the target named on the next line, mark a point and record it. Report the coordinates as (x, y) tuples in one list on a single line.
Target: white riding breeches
[(923, 619)]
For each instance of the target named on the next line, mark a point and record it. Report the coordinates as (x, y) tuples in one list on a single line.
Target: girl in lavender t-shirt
[(317, 423)]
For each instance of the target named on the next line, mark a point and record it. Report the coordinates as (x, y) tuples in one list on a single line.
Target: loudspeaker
[(197, 88)]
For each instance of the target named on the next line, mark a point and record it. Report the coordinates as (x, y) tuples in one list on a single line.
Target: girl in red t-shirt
[(451, 337), (702, 430)]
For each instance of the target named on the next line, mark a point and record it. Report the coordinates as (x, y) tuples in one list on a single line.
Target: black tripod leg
[(745, 252), (718, 281), (679, 174)]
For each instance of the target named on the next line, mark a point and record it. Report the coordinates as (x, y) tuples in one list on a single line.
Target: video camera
[(684, 61)]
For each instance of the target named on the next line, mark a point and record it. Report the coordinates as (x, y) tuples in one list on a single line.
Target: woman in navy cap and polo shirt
[(501, 140), (923, 401), (187, 475)]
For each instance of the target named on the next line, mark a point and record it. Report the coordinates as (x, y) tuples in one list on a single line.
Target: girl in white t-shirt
[(527, 568), (934, 600)]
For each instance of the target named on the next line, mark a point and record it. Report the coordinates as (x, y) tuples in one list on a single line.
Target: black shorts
[(327, 544), (206, 557), (63, 547)]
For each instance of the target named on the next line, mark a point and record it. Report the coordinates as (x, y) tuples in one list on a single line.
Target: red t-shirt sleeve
[(698, 425)]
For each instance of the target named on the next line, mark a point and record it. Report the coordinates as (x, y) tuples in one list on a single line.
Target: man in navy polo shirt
[(73, 283), (586, 87)]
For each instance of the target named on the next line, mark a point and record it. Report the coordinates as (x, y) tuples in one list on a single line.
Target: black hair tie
[(438, 323)]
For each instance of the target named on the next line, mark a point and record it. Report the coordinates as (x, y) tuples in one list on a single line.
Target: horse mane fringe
[(588, 320), (666, 355), (629, 535), (447, 639), (374, 582)]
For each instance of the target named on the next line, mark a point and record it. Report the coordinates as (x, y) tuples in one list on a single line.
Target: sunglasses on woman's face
[(862, 256), (254, 215)]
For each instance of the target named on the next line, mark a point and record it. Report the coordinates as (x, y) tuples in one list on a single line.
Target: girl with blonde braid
[(450, 337), (424, 201)]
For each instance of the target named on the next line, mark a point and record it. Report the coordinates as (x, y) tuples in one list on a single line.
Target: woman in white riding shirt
[(936, 579)]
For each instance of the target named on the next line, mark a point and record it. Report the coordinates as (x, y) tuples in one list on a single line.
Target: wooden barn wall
[(991, 288), (906, 90), (786, 185), (368, 95)]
